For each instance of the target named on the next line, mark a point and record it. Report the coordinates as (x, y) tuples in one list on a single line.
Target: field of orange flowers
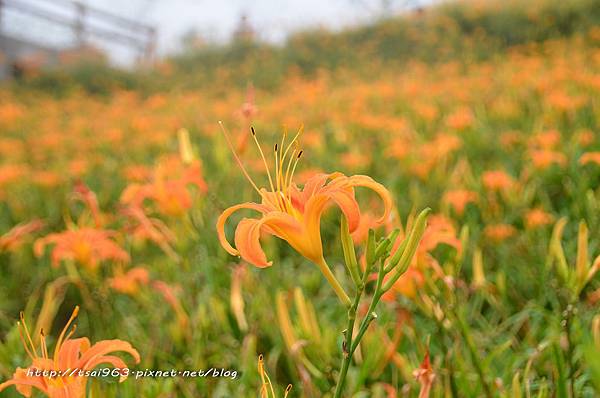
[(116, 216)]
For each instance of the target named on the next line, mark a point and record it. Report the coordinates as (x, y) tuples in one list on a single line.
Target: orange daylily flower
[(247, 112), (398, 148), (546, 140), (368, 221), (248, 109), (497, 180), (535, 218), (590, 158), (355, 160), (432, 153), (459, 198), (137, 173), (142, 228), (10, 112), (499, 232), (294, 215), (460, 119), (46, 178), (13, 238), (170, 294), (11, 172), (78, 167), (509, 139), (594, 297), (169, 187), (439, 231), (584, 137), (83, 193), (306, 174), (406, 285), (545, 158), (88, 246), (390, 391), (129, 283), (71, 357), (312, 139), (426, 111), (425, 376)]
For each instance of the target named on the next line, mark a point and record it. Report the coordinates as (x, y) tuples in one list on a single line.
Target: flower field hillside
[(427, 226)]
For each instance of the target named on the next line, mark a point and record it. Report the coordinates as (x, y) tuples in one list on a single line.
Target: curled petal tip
[(264, 265)]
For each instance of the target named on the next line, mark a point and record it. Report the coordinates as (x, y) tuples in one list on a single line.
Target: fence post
[(1, 19), (150, 49), (79, 27)]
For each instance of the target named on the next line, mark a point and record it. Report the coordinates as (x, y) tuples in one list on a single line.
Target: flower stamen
[(33, 352), (262, 155), (237, 158), (25, 344), (61, 337), (289, 181), (43, 346)]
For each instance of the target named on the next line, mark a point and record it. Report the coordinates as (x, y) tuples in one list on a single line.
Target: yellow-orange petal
[(70, 351), (113, 360), (590, 157), (314, 184), (24, 383), (101, 348), (247, 240), (312, 217), (289, 229), (384, 194), (40, 244), (349, 206), (223, 218)]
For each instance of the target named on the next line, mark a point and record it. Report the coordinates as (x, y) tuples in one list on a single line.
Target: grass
[(496, 132)]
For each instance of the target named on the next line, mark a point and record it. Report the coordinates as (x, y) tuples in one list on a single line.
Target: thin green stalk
[(570, 351), (371, 311), (347, 353), (473, 353), (373, 254), (339, 290)]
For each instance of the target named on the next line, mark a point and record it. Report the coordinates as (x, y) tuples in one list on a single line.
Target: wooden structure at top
[(85, 22)]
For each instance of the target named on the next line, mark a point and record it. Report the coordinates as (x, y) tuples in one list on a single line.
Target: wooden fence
[(86, 23)]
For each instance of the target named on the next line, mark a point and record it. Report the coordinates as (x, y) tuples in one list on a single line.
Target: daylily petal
[(384, 194), (349, 206), (247, 240), (288, 228), (312, 217), (24, 383), (279, 224), (71, 350), (225, 215), (40, 244), (296, 198), (108, 359), (113, 360), (104, 347), (70, 390), (313, 184)]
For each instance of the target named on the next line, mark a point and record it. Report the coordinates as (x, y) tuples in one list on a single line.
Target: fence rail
[(87, 23)]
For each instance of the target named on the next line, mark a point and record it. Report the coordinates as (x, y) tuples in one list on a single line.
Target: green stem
[(570, 354), (371, 315), (350, 343), (347, 352), (474, 356), (339, 290)]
